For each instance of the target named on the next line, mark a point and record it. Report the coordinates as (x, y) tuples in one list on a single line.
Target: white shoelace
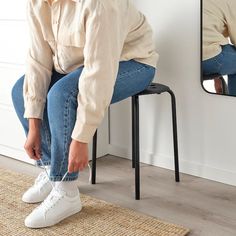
[(55, 194), (51, 199), (90, 173)]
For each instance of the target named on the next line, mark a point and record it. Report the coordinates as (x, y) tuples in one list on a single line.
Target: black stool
[(153, 88), (218, 76)]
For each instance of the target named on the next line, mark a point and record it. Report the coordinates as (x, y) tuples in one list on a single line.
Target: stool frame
[(153, 88)]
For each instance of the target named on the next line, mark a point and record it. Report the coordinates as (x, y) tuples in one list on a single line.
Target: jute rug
[(97, 217)]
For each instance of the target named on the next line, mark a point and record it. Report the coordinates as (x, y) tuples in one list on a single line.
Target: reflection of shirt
[(94, 33), (219, 24)]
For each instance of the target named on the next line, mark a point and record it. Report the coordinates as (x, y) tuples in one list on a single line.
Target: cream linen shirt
[(219, 24), (94, 33)]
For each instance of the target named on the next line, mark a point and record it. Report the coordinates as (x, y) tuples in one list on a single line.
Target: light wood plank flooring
[(206, 207)]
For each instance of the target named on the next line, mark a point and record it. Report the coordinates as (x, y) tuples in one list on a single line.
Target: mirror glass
[(218, 46)]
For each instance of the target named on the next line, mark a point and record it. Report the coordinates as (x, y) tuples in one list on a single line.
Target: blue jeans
[(223, 64), (61, 106)]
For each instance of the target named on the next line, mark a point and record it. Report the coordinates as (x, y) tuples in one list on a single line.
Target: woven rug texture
[(97, 217)]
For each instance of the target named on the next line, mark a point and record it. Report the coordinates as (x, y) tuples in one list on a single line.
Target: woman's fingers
[(30, 152), (37, 152), (78, 156), (71, 167), (33, 151), (76, 166), (33, 145)]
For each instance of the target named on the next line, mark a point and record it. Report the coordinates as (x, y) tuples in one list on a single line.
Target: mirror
[(218, 46)]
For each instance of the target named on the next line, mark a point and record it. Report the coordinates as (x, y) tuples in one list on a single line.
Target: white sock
[(70, 187)]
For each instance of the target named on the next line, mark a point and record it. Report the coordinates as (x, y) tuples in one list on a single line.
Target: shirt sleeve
[(231, 20), (102, 49), (38, 69)]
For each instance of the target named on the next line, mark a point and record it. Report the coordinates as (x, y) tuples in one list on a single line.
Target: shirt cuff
[(34, 109), (83, 132)]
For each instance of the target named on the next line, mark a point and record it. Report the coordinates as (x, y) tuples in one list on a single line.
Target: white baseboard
[(187, 167), (167, 162), (15, 153)]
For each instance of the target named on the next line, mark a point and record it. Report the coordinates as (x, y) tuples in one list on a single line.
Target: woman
[(219, 25), (84, 55)]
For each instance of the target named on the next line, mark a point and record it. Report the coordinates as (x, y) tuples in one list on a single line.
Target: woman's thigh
[(132, 78), (228, 60)]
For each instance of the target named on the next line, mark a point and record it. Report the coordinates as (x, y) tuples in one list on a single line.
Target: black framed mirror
[(218, 46)]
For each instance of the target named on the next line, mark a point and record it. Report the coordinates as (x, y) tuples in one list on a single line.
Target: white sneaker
[(56, 207), (39, 191)]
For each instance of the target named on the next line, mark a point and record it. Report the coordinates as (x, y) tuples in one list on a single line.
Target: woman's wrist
[(78, 142), (34, 123)]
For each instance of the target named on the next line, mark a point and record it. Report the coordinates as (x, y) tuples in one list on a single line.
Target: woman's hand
[(33, 144), (78, 156)]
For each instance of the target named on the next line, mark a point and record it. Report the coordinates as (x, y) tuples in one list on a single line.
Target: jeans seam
[(44, 162), (47, 136), (66, 115), (58, 178), (133, 71)]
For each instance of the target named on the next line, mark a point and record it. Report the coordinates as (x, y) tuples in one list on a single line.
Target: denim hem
[(46, 163), (59, 178)]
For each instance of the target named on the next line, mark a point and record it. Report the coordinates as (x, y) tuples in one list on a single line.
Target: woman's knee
[(59, 94), (55, 94), (152, 72)]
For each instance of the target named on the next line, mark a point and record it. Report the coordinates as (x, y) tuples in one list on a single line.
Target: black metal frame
[(154, 88)]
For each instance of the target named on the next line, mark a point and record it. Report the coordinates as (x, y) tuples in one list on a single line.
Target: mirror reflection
[(218, 25)]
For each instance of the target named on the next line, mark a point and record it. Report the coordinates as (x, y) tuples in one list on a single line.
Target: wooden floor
[(206, 207)]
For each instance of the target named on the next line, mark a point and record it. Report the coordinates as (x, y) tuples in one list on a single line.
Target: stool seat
[(211, 76), (154, 88)]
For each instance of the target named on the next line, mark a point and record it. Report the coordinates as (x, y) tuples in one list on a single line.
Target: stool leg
[(224, 85), (175, 138), (94, 158), (136, 147), (133, 131)]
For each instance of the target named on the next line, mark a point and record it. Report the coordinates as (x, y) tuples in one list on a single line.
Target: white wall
[(13, 44), (206, 123)]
